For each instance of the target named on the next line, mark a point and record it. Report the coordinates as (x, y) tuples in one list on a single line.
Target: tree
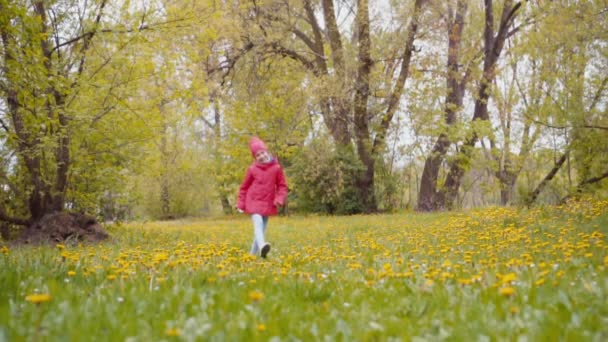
[(67, 70), (430, 197), (41, 73), (493, 43), (575, 47), (347, 72)]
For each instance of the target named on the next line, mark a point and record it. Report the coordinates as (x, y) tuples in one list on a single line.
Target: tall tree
[(576, 47), (493, 45), (345, 67), (430, 197), (40, 73)]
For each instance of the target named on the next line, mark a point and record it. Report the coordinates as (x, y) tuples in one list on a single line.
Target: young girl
[(263, 190)]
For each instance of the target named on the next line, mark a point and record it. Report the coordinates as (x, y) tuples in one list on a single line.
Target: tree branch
[(276, 47), (403, 75), (140, 28), (534, 195), (4, 125)]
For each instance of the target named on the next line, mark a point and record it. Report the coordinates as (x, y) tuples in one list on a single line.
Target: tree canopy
[(129, 110)]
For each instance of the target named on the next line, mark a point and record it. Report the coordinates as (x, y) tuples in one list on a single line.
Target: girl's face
[(262, 156)]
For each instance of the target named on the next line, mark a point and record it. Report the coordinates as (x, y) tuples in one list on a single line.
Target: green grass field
[(482, 275)]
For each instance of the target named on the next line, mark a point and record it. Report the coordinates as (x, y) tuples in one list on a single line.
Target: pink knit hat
[(256, 145)]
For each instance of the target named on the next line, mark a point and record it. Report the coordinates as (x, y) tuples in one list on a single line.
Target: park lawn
[(485, 274)]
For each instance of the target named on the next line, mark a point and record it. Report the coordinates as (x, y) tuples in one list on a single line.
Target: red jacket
[(263, 187)]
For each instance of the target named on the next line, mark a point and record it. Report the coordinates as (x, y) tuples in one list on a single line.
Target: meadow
[(489, 274)]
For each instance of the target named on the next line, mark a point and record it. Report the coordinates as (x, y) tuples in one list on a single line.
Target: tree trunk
[(492, 49), (365, 181), (429, 199), (217, 137), (507, 181), (165, 197), (534, 195)]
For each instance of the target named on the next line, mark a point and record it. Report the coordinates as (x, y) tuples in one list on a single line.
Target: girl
[(263, 190)]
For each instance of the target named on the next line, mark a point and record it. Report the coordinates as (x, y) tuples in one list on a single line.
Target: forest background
[(144, 109)]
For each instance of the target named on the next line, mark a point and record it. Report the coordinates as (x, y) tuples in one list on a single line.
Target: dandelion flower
[(256, 296), (261, 327), (507, 291), (38, 298), (173, 332)]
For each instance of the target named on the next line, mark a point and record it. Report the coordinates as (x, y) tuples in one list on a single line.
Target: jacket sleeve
[(243, 189), (281, 192)]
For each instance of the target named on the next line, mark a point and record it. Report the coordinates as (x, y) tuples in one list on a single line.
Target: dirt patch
[(63, 227)]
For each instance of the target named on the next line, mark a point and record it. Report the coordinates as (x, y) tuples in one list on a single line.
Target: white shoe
[(265, 250)]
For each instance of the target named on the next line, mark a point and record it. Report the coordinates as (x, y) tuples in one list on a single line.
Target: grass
[(488, 274)]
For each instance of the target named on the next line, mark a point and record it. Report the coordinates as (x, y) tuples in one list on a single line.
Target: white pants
[(259, 229)]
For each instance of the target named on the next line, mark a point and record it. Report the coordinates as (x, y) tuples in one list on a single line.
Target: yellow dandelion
[(4, 250), (71, 273), (261, 327), (539, 282), (507, 278), (111, 277), (173, 332), (256, 296), (465, 281), (60, 246), (514, 310), (507, 291), (38, 298)]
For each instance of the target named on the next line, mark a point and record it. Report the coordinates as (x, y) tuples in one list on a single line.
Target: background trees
[(145, 110)]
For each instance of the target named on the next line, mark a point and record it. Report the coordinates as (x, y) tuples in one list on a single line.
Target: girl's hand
[(239, 210), (277, 203)]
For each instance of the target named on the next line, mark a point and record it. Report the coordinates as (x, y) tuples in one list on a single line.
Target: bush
[(323, 179)]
